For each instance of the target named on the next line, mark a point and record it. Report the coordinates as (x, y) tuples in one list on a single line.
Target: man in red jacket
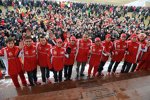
[(43, 51), (70, 60), (143, 42), (57, 60), (83, 46), (133, 50), (118, 53), (96, 53), (29, 54), (14, 69), (108, 46), (145, 59)]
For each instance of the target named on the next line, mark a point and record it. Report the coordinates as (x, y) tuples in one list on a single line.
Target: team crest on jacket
[(124, 46), (10, 54), (47, 49), (93, 49), (26, 53), (55, 52), (33, 51), (135, 47), (62, 52), (118, 46), (89, 44)]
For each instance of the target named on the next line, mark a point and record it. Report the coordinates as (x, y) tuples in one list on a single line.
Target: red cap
[(123, 35), (97, 39), (73, 38), (59, 40), (108, 36), (134, 35)]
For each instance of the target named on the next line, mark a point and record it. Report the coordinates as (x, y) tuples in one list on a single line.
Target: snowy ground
[(141, 3), (138, 3)]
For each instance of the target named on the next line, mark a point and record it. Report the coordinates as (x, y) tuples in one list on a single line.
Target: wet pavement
[(131, 86)]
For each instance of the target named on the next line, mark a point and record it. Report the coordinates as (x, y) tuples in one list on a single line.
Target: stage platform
[(132, 86)]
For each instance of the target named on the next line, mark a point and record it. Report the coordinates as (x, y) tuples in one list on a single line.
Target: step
[(124, 86)]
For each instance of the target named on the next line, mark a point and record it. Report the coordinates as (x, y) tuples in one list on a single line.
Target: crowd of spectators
[(58, 19)]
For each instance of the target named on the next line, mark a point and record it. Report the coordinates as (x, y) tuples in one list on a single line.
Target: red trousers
[(139, 67), (15, 79), (143, 65), (94, 71)]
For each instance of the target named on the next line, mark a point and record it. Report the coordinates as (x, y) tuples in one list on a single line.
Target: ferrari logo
[(10, 54), (118, 46), (62, 52), (124, 46), (55, 52), (26, 53), (93, 49), (33, 51)]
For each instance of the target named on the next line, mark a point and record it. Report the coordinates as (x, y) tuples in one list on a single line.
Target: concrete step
[(121, 87)]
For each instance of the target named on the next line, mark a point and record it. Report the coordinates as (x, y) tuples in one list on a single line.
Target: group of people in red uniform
[(134, 52)]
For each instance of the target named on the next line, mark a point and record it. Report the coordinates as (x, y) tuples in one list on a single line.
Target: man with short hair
[(133, 50), (143, 42), (57, 60), (118, 53), (14, 69), (83, 47), (29, 54), (96, 54), (71, 47), (108, 47), (43, 52)]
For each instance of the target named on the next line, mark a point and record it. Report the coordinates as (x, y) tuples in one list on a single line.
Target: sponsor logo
[(40, 48), (47, 49), (135, 47)]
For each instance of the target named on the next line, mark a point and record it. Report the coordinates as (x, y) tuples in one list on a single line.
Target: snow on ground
[(138, 3)]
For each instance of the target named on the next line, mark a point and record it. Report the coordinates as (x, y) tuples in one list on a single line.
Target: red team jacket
[(145, 64), (118, 52), (43, 52), (146, 56), (143, 43), (133, 49), (83, 50), (108, 46), (57, 58), (71, 59), (11, 56), (30, 58), (96, 53)]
